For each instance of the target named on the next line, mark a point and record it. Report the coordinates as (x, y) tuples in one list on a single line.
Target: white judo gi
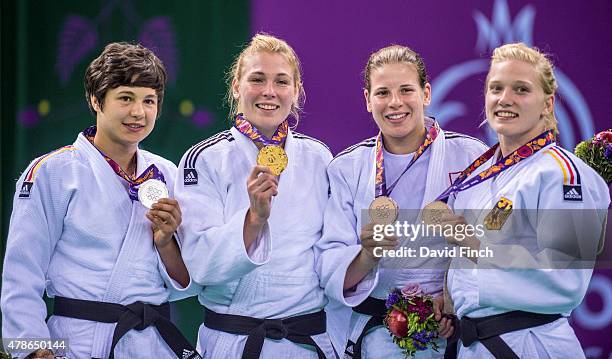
[(352, 182), (76, 233), (276, 277), (554, 195)]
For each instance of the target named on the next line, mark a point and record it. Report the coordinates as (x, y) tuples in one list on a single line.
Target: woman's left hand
[(165, 216)]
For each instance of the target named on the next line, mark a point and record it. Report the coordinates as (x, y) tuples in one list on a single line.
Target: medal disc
[(433, 212), (151, 191), (383, 210), (273, 157)]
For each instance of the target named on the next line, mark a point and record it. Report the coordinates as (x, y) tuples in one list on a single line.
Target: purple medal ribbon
[(381, 184), (247, 129), (152, 172), (529, 149)]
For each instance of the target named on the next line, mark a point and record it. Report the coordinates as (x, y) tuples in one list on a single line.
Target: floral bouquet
[(597, 153), (410, 319)]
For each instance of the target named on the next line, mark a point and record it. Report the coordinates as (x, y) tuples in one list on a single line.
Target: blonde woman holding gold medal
[(404, 167), (253, 199), (543, 212)]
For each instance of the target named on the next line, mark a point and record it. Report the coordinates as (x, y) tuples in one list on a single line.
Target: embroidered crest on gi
[(452, 176), (495, 220), (349, 351), (190, 176)]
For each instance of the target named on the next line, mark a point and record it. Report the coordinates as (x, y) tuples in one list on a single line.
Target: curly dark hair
[(124, 64)]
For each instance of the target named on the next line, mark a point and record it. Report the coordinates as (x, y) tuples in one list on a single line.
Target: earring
[(236, 95)]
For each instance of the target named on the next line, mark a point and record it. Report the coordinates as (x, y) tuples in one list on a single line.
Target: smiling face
[(266, 90), (516, 104), (397, 101), (127, 117)]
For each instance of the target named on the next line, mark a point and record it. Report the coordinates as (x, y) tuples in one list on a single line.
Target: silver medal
[(151, 191)]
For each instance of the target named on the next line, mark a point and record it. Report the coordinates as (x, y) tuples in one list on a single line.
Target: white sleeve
[(35, 227), (340, 244), (176, 290), (213, 248), (567, 235)]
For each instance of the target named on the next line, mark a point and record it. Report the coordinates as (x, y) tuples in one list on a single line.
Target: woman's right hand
[(369, 243)]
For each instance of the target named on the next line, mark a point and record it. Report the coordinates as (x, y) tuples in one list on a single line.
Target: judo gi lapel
[(106, 178), (286, 182), (137, 229), (437, 170), (139, 233)]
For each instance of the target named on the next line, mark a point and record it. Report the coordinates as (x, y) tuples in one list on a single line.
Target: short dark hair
[(124, 64)]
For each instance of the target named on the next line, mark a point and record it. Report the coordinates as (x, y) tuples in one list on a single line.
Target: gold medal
[(433, 212), (383, 210), (495, 220), (273, 157)]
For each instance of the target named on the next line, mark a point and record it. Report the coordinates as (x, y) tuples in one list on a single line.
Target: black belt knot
[(274, 329), (141, 314), (299, 329), (488, 331), (137, 315)]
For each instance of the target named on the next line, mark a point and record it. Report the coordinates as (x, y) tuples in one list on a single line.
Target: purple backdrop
[(334, 40)]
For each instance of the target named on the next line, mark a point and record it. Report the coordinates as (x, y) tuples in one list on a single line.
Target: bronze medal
[(273, 157), (383, 210), (433, 212), (495, 220)]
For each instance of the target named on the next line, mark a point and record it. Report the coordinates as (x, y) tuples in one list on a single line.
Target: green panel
[(206, 37)]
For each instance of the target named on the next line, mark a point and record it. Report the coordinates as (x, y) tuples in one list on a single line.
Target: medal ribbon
[(253, 133), (381, 188), (152, 172), (525, 151)]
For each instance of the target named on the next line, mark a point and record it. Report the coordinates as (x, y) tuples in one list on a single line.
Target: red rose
[(604, 136), (397, 323)]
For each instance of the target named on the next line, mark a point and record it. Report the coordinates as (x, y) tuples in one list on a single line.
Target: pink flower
[(411, 290)]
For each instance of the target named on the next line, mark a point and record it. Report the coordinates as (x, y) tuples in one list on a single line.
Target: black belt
[(296, 329), (487, 330), (377, 309), (137, 316)]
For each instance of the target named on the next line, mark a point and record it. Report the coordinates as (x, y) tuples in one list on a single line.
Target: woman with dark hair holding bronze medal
[(253, 199), (543, 213), (404, 167)]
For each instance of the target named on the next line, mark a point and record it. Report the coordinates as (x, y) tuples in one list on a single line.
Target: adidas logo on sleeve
[(26, 187), (190, 176), (572, 193)]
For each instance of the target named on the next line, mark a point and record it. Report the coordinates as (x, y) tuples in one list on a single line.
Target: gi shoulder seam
[(571, 175), (302, 136), (31, 174), (370, 142), (194, 152)]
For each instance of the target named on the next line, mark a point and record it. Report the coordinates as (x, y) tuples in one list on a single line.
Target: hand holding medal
[(262, 185), (165, 216)]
